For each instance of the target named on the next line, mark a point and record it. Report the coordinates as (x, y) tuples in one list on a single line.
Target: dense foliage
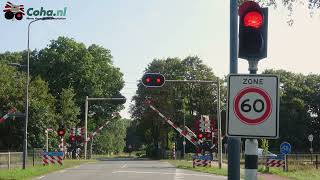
[(62, 75), (299, 105)]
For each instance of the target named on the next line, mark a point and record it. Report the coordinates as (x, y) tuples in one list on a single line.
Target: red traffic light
[(153, 80), (253, 30), (253, 19), (61, 132), (72, 138), (200, 136)]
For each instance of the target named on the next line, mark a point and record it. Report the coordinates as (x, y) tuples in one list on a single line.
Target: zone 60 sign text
[(253, 104)]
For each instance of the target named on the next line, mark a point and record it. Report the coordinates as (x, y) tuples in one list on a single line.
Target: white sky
[(138, 31)]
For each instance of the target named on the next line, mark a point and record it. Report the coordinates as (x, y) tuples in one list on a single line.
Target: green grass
[(296, 173), (188, 165), (30, 172)]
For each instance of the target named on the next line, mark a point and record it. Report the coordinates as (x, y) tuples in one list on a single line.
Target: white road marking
[(76, 167), (178, 175), (40, 177), (125, 165), (164, 173), (62, 171)]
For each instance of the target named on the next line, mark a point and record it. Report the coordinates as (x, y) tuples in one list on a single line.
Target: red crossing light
[(153, 80), (61, 132), (253, 19), (200, 136), (72, 138)]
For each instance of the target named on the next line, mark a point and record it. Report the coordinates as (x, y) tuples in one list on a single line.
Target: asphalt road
[(128, 169)]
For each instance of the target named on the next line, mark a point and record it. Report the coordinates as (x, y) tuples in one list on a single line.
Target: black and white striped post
[(251, 159)]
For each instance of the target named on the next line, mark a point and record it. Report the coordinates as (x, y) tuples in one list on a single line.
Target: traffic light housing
[(61, 132), (253, 31), (153, 80)]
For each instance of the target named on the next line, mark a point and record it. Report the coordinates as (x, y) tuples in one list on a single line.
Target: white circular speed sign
[(252, 105), (310, 137)]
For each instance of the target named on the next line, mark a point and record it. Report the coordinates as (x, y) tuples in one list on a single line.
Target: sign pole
[(219, 129), (86, 128), (251, 145), (251, 159), (47, 141), (233, 142)]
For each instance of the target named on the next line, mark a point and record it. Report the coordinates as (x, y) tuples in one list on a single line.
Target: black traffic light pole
[(233, 142)]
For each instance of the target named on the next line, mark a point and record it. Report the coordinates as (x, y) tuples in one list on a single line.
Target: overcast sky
[(138, 31)]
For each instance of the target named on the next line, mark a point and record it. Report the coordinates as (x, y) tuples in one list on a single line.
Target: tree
[(62, 75), (112, 138), (11, 95), (42, 113), (312, 6), (65, 63), (69, 111), (295, 110), (200, 99)]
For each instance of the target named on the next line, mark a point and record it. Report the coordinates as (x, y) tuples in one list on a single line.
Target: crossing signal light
[(200, 136), (72, 138), (61, 132), (253, 31), (153, 80)]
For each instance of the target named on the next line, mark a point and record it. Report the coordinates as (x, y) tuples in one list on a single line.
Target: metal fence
[(10, 159), (14, 159)]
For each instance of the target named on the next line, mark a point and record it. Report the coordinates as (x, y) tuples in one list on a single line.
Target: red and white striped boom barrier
[(275, 163), (184, 133), (11, 111), (52, 158), (201, 162), (97, 131)]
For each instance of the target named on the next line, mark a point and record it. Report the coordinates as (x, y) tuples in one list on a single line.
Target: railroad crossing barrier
[(199, 162), (275, 163), (52, 158), (11, 111)]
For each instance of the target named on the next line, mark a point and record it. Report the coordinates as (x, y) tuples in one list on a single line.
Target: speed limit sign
[(253, 106)]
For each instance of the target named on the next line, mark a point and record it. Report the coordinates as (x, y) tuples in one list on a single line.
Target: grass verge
[(188, 165), (296, 174), (38, 170)]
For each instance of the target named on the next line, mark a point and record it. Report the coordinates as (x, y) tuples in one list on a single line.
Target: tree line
[(62, 75), (299, 105)]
